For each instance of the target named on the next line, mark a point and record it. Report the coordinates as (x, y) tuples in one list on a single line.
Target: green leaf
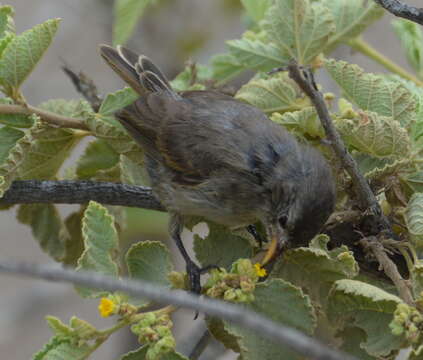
[(7, 25), (351, 338), (351, 17), (304, 122), (368, 308), (46, 226), (275, 94), (58, 327), (315, 268), (413, 182), (70, 108), (101, 245), (416, 354), (254, 54), (59, 348), (8, 138), (375, 135), (74, 242), (141, 354), (414, 219), (256, 9), (270, 298), (416, 275), (132, 172), (379, 168), (411, 37), (126, 15), (225, 67), (149, 261), (373, 92), (221, 247), (114, 102), (22, 54), (17, 155), (98, 156), (217, 329), (301, 30), (50, 148)]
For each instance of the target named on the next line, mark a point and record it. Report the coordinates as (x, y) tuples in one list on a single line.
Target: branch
[(236, 314), (51, 118), (80, 192), (389, 267), (85, 86), (367, 199), (405, 11)]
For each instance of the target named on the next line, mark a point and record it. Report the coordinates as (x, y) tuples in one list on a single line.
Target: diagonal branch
[(367, 199), (80, 192), (294, 339), (400, 9)]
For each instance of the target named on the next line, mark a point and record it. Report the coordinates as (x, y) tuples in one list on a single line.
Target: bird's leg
[(257, 237), (193, 270)]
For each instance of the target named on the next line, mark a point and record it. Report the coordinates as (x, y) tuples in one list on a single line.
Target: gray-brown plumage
[(210, 155)]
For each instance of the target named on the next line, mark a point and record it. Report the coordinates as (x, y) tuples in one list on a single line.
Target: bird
[(208, 154)]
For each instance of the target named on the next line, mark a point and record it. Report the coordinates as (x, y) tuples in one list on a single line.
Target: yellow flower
[(260, 271), (106, 307)]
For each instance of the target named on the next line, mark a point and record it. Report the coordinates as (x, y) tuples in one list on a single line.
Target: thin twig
[(51, 118), (405, 11), (367, 199), (200, 346), (80, 192), (388, 267), (85, 86), (236, 314)]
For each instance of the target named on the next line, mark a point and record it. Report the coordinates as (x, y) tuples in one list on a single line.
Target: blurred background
[(171, 33)]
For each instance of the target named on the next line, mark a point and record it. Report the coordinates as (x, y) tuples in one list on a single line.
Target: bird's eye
[(282, 220)]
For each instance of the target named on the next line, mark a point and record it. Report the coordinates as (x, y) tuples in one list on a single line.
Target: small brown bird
[(208, 154)]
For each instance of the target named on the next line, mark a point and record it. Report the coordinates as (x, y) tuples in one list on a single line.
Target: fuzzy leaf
[(141, 354), (15, 120), (256, 9), (22, 54), (368, 308), (132, 172), (101, 245), (217, 329), (126, 16), (253, 53), (221, 247), (59, 348), (301, 30), (351, 338), (275, 94), (373, 92), (50, 148), (414, 219), (375, 135), (7, 25), (114, 102), (413, 182), (416, 354), (46, 225), (8, 138), (315, 268), (149, 261), (351, 17), (70, 108), (98, 156), (74, 242), (411, 37), (304, 122), (193, 77), (16, 156), (225, 67), (270, 298)]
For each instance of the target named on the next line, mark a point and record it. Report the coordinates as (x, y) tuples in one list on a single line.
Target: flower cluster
[(408, 322), (154, 329), (238, 285)]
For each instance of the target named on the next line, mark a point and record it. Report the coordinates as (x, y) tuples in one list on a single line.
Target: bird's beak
[(277, 237)]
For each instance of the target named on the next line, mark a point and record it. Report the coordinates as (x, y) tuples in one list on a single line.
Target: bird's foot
[(257, 237), (194, 275)]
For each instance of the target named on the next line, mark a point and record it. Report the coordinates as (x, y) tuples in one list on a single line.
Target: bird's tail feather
[(138, 71)]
